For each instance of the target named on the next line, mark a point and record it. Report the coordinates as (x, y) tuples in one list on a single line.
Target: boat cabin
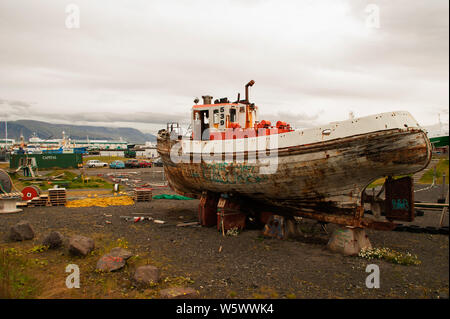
[(224, 119), (221, 116)]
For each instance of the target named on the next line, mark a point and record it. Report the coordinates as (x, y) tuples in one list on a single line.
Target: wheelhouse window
[(216, 116), (232, 115)]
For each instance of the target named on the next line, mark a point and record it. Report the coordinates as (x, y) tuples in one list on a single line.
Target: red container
[(230, 220), (229, 215), (207, 209)]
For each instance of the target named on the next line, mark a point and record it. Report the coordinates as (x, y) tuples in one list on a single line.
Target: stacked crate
[(57, 196), (39, 201), (142, 194)]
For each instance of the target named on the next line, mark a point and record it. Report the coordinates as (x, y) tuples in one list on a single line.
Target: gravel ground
[(248, 265)]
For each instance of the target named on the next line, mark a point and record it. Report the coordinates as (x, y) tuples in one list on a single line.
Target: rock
[(109, 262), (80, 245), (21, 231), (121, 252), (179, 293), (114, 260), (146, 274), (53, 240)]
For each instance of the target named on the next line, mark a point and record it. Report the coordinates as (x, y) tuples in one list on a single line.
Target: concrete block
[(348, 241)]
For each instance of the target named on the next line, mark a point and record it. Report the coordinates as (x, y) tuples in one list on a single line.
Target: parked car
[(132, 163), (145, 164), (117, 164), (96, 163), (158, 163)]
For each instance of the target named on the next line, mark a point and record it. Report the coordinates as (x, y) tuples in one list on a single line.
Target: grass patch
[(389, 255), (266, 293), (380, 181), (66, 174), (376, 183), (15, 282), (179, 281), (29, 270), (94, 182), (441, 168), (104, 244), (69, 180), (38, 249)]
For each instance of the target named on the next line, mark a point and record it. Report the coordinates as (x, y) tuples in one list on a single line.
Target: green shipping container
[(440, 141), (43, 161)]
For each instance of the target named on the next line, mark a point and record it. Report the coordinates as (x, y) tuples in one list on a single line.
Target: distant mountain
[(46, 130)]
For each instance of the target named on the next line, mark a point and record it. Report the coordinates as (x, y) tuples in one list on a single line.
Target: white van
[(96, 163)]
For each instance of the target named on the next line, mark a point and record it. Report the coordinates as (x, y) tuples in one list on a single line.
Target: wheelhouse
[(211, 121)]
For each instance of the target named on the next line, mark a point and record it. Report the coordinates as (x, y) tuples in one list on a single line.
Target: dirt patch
[(243, 266)]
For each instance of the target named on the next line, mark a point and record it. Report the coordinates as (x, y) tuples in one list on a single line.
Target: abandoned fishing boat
[(232, 159)]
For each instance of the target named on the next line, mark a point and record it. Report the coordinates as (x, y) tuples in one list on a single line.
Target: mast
[(6, 134), (440, 124)]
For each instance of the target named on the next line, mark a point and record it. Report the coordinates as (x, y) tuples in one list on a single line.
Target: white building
[(7, 142), (147, 152), (67, 142)]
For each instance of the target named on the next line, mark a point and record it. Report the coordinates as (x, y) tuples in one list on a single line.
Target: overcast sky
[(141, 63)]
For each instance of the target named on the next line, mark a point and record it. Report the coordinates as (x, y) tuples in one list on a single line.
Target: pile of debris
[(127, 178), (59, 177)]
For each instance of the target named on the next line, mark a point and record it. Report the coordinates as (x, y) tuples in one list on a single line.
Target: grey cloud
[(19, 104), (157, 56), (93, 117)]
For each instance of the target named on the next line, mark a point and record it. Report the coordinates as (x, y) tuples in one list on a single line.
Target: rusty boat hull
[(319, 172)]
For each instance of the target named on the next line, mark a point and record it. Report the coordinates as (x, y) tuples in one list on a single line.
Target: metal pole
[(443, 186), (444, 210)]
